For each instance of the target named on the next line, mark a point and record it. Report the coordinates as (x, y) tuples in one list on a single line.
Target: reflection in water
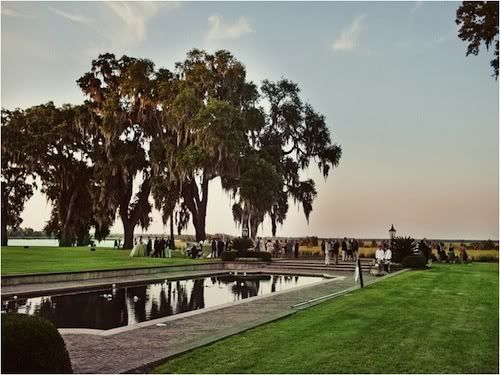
[(116, 307)]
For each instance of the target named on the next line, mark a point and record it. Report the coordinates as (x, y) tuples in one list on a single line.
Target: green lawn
[(444, 320), (18, 260)]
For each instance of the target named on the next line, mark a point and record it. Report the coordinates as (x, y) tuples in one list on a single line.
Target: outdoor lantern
[(392, 232)]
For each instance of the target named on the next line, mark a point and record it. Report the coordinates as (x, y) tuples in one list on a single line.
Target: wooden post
[(360, 273)]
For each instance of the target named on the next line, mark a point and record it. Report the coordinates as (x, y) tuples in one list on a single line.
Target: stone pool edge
[(118, 330)]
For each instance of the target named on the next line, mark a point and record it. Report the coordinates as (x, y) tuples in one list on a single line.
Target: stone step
[(317, 268)]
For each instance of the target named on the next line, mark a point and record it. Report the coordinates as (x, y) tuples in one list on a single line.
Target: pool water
[(116, 307)]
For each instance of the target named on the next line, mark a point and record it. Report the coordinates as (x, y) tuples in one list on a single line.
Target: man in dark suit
[(162, 248), (155, 247), (220, 247), (214, 248), (149, 247)]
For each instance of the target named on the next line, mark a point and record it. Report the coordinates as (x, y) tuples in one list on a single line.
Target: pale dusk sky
[(417, 120)]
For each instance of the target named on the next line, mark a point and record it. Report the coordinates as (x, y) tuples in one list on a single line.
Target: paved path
[(142, 347)]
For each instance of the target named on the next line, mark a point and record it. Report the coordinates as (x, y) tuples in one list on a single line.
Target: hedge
[(32, 344), (414, 261)]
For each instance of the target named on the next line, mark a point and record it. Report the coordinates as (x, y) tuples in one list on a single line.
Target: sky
[(417, 120)]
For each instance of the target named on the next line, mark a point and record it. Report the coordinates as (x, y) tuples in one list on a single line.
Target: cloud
[(71, 17), (12, 13), (219, 30), (349, 37)]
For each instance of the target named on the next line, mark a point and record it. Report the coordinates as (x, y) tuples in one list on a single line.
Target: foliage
[(241, 244), (120, 93), (402, 247), (32, 345), (485, 245), (478, 23), (414, 261), (15, 186), (26, 233)]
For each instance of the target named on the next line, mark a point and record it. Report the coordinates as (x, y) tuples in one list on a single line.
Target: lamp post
[(392, 232)]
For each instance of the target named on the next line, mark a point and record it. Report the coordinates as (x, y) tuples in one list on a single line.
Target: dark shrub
[(241, 244), (32, 345), (414, 261), (229, 255), (402, 247)]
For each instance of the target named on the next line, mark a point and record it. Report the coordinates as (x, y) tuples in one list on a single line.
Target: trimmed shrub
[(241, 244), (414, 261), (32, 344)]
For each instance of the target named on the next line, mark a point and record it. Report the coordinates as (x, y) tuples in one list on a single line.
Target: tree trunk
[(197, 206), (273, 223), (66, 240), (254, 227), (172, 239), (128, 233)]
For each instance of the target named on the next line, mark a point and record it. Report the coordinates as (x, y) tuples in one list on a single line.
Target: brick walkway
[(141, 348)]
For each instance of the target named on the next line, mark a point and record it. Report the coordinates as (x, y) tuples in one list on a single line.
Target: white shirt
[(388, 254), (379, 254), (269, 247)]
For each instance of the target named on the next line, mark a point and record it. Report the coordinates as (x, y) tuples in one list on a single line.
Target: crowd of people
[(348, 250), (451, 257), (156, 248), (278, 249)]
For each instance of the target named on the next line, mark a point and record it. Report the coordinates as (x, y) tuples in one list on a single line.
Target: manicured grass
[(18, 260), (444, 320)]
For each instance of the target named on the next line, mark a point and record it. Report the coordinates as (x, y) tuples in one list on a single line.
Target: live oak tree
[(62, 160), (121, 94), (478, 23), (207, 131), (16, 187), (289, 136)]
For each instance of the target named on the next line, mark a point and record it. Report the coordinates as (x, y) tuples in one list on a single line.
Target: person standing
[(335, 251), (355, 246), (155, 248), (296, 249), (162, 247), (348, 250), (379, 256), (214, 248), (387, 259), (276, 249), (269, 246), (220, 247), (327, 253), (344, 249), (149, 247), (289, 248), (323, 246)]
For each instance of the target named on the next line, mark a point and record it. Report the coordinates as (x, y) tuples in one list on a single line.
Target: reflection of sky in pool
[(118, 307)]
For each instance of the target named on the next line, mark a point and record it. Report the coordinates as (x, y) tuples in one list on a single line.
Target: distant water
[(49, 242)]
